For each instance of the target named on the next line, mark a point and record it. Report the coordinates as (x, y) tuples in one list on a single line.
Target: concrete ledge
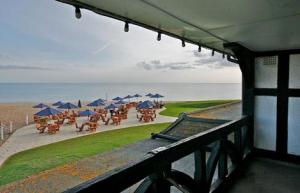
[(213, 108)]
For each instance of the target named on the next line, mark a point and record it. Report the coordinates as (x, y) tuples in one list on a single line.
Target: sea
[(51, 92)]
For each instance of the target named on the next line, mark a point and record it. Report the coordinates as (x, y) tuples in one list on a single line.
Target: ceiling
[(259, 25)]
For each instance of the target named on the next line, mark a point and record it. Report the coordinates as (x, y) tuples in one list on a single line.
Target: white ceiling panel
[(260, 25)]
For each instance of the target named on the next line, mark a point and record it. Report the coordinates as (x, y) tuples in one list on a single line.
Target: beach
[(17, 99), (15, 113)]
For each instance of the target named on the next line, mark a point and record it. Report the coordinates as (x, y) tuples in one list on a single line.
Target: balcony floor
[(268, 176)]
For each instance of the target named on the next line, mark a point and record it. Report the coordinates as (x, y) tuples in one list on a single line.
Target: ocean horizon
[(50, 92)]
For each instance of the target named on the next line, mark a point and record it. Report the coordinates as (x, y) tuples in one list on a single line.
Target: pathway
[(28, 137), (220, 112)]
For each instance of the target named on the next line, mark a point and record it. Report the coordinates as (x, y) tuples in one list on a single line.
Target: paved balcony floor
[(267, 176)]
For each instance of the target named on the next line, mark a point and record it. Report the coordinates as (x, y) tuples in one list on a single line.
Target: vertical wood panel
[(282, 103)]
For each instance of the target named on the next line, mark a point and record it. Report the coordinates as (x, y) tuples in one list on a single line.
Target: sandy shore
[(15, 113)]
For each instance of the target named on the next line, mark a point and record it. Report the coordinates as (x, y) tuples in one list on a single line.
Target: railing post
[(222, 165), (200, 169), (161, 186), (238, 139)]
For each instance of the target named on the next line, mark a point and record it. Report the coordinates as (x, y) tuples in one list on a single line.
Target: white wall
[(265, 106), (266, 72), (294, 126), (294, 81), (294, 107), (265, 122)]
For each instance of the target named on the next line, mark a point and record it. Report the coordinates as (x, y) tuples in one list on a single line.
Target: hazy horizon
[(121, 82), (45, 92)]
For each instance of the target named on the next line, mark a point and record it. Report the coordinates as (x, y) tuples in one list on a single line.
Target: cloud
[(156, 62), (47, 36), (8, 62), (102, 48), (197, 60), (199, 54), (215, 62), (158, 65), (20, 67)]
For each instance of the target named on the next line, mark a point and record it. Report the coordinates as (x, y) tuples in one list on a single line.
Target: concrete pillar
[(10, 127), (2, 132), (27, 120)]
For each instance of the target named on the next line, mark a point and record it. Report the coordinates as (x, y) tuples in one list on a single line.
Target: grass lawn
[(174, 109), (46, 157)]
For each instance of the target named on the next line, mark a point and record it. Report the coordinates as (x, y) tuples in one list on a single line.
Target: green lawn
[(174, 109), (45, 157)]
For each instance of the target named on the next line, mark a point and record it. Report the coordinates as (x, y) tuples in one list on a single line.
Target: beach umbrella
[(86, 113), (48, 111), (111, 106), (100, 100), (157, 96), (40, 106), (117, 98), (58, 103), (120, 102), (68, 106), (96, 103), (145, 105), (149, 95), (137, 95), (128, 97), (150, 102)]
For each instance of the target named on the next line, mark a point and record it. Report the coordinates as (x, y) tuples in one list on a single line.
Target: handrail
[(158, 161)]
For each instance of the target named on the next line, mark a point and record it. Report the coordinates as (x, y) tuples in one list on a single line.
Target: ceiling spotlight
[(126, 27), (182, 43), (213, 52), (77, 12), (199, 48), (158, 36)]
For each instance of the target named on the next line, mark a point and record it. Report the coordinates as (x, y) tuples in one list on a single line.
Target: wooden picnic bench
[(53, 128)]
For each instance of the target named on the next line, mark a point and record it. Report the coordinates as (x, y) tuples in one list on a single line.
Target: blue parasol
[(137, 95), (48, 111), (128, 97), (68, 106), (149, 95), (100, 100), (117, 98), (111, 106), (86, 113), (40, 106), (58, 103), (145, 105), (121, 102), (157, 96), (96, 103)]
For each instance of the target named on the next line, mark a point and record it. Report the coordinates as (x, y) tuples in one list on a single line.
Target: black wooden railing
[(211, 150)]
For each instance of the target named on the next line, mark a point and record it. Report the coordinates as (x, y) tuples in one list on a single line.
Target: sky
[(42, 41)]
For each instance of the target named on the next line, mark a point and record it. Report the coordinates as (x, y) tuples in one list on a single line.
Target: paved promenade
[(28, 137)]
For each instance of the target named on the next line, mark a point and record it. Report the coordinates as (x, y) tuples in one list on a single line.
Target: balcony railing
[(211, 150)]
